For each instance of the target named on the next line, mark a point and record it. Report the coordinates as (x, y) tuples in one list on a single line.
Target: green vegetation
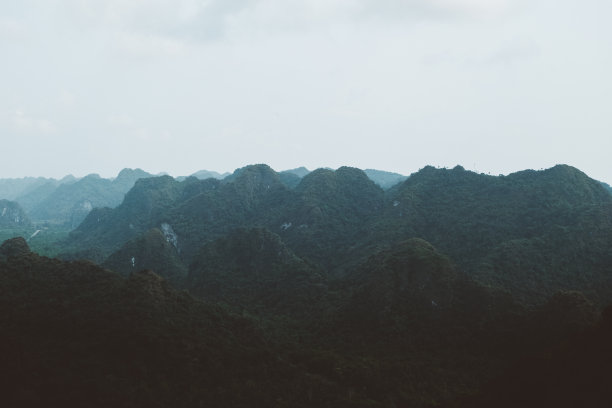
[(254, 269), (532, 233), (149, 251), (77, 335), (321, 289), (404, 330)]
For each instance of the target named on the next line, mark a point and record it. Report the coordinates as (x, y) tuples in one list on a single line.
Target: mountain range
[(532, 232), (318, 288)]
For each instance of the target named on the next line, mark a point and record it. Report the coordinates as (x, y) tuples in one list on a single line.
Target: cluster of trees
[(314, 289)]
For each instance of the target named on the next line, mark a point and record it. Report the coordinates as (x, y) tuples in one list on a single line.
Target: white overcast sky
[(182, 85)]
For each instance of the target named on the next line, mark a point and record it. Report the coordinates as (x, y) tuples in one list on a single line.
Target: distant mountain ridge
[(205, 174), (69, 200), (385, 179), (11, 189)]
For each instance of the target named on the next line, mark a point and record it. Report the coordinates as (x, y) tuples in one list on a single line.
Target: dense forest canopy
[(303, 288)]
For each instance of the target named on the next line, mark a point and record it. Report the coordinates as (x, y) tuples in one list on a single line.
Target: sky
[(497, 86)]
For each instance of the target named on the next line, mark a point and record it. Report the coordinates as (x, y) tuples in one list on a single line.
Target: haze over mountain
[(183, 84), (69, 200), (345, 204), (12, 215)]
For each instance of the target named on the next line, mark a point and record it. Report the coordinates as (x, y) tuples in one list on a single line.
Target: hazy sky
[(181, 85)]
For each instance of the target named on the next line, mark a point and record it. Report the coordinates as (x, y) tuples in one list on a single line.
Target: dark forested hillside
[(573, 374), (404, 330), (77, 335), (417, 295), (254, 269), (153, 251)]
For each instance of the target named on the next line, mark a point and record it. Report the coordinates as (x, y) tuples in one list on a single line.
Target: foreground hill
[(78, 335), (574, 374), (404, 328)]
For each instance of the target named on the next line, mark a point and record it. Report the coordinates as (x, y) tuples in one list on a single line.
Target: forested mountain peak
[(153, 187), (341, 183), (14, 247), (410, 271), (255, 176), (129, 176)]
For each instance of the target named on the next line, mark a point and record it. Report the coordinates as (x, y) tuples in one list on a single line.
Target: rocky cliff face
[(12, 215)]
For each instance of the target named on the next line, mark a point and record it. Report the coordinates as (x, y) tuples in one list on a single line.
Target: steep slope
[(408, 311), (411, 279), (196, 211), (532, 232), (12, 215), (330, 214), (471, 217), (153, 251), (107, 229), (574, 256), (402, 328), (251, 196), (253, 269), (78, 335)]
